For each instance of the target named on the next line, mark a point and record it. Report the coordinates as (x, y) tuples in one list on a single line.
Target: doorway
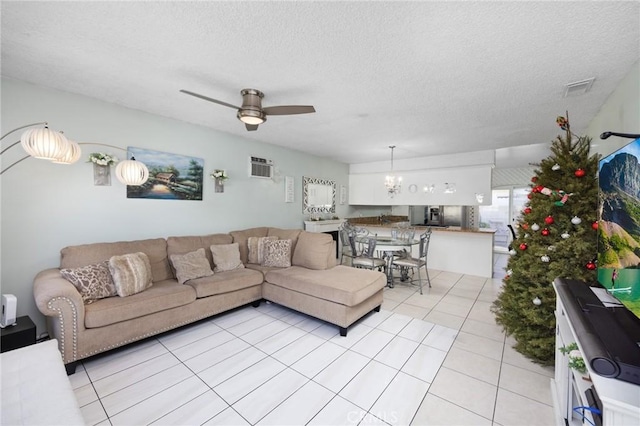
[(505, 208)]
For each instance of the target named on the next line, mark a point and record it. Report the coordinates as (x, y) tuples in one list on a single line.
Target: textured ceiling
[(429, 77)]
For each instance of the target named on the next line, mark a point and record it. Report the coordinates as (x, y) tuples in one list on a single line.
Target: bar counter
[(453, 249)]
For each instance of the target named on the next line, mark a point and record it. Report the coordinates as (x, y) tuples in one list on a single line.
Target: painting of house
[(171, 176)]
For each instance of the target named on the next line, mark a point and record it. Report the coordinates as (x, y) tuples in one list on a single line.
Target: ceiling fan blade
[(289, 110), (206, 98), (251, 127)]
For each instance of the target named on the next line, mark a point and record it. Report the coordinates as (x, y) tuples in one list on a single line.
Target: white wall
[(46, 207), (620, 113)]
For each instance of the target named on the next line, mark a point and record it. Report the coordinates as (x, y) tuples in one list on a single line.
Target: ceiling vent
[(578, 88), (260, 168)]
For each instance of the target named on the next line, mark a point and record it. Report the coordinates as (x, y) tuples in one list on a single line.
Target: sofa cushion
[(162, 295), (241, 238), (87, 254), (226, 257), (286, 234), (186, 244), (225, 282), (191, 265), (94, 282), (277, 253), (256, 248), (131, 273), (341, 284), (314, 251)]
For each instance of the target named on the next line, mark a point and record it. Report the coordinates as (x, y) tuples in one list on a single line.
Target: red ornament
[(530, 195), (525, 226), (523, 246), (539, 188), (527, 210), (548, 220), (590, 266), (534, 179), (579, 173), (595, 225), (545, 232)]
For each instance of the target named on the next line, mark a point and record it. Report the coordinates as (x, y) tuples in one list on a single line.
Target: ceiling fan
[(251, 113)]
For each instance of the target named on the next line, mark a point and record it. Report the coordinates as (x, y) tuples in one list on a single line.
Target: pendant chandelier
[(392, 183)]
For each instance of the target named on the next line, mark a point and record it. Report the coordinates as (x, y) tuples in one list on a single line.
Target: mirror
[(319, 195)]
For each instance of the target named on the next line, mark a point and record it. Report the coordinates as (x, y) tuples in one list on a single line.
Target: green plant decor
[(576, 362)]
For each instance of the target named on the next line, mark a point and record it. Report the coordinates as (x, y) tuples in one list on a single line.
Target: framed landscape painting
[(171, 176)]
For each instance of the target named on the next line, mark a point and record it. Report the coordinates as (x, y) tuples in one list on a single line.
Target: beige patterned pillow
[(131, 273), (94, 282), (277, 253), (226, 257), (256, 248), (191, 265)]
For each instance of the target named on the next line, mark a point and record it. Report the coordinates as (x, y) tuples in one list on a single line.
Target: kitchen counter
[(421, 228), (453, 249)]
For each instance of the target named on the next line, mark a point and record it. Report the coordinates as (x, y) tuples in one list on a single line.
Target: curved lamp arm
[(17, 142), (605, 135)]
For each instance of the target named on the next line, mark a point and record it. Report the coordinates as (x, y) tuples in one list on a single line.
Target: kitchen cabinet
[(369, 189)]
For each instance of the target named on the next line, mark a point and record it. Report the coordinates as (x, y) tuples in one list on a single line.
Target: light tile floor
[(431, 359)]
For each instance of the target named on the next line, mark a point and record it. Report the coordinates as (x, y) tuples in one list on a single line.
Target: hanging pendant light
[(44, 143), (132, 172), (392, 183), (71, 155)]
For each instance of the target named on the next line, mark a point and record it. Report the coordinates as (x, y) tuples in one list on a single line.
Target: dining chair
[(343, 235), (366, 258), (415, 263)]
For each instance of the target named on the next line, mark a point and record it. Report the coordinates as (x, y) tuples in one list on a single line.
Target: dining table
[(388, 246)]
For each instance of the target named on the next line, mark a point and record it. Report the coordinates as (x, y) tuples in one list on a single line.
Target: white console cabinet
[(620, 399)]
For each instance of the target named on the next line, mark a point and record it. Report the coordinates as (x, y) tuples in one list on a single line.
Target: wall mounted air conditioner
[(260, 168)]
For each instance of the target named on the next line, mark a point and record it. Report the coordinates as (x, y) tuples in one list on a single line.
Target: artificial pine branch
[(559, 193)]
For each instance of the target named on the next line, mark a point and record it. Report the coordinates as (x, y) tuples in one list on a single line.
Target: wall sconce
[(479, 198), (46, 144), (428, 189), (449, 188)]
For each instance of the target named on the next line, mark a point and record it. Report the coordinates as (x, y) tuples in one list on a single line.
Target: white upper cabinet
[(424, 187)]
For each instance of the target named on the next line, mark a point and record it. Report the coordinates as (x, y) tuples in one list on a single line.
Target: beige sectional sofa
[(313, 284)]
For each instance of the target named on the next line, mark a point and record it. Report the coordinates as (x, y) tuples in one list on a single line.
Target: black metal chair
[(410, 263)]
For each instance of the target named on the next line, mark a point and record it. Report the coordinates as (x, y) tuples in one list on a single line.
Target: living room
[(46, 207)]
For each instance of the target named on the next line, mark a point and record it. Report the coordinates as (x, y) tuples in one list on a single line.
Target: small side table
[(23, 333)]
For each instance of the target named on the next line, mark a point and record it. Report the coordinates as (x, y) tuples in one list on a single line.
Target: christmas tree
[(557, 237)]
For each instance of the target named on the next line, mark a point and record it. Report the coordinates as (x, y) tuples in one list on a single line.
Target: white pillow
[(131, 273)]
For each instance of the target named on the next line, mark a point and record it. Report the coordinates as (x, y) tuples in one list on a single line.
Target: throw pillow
[(131, 273), (94, 282), (226, 257), (191, 265), (256, 248), (314, 250), (277, 253)]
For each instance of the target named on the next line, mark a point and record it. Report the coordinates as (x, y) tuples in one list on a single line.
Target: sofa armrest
[(62, 304)]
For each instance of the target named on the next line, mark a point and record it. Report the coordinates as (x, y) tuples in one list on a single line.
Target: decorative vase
[(101, 175), (219, 185)]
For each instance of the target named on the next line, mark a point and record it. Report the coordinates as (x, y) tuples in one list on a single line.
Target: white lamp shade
[(44, 143), (72, 154), (132, 172)]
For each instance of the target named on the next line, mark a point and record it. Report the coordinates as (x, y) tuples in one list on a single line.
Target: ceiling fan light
[(132, 172), (44, 143), (252, 117)]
